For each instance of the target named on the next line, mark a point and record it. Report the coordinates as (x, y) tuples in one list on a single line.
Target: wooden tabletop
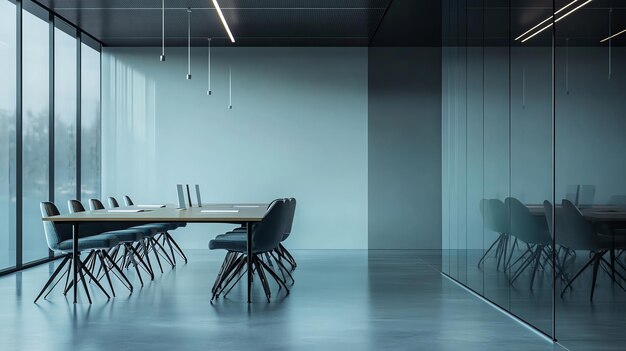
[(231, 213)]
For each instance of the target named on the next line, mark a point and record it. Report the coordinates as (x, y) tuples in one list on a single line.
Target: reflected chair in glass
[(59, 240), (575, 232), (163, 235), (533, 231), (127, 238), (266, 236), (496, 219)]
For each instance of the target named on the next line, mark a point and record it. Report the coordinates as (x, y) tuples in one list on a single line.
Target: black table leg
[(75, 258), (249, 258)]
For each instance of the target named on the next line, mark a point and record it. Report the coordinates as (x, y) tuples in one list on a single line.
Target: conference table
[(125, 217), (594, 213)]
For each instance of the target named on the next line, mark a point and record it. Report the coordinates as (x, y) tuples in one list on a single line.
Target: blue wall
[(404, 148), (298, 128)]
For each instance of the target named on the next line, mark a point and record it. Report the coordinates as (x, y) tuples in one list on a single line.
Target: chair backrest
[(55, 233), (113, 202), (573, 231), (291, 202), (268, 233), (495, 215), (128, 201), (524, 226), (75, 206), (95, 204)]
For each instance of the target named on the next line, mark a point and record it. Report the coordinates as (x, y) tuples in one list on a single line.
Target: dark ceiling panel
[(410, 23), (502, 24), (253, 22)]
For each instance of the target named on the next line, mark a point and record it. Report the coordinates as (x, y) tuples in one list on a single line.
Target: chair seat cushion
[(158, 227), (242, 235), (100, 241), (233, 236), (129, 235), (228, 244)]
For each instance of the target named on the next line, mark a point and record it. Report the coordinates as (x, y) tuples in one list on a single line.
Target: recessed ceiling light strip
[(163, 32), (208, 92), (613, 36), (547, 19), (189, 43), (557, 20), (219, 12)]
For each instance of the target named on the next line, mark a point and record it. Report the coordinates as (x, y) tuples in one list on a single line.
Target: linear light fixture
[(219, 12), (551, 17), (613, 36)]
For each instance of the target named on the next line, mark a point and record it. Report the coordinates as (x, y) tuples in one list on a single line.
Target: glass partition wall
[(41, 95), (534, 133)]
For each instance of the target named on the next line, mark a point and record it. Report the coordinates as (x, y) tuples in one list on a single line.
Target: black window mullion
[(18, 138), (78, 114), (51, 130)]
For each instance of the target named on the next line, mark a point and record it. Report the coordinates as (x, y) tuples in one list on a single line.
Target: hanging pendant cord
[(188, 43), (209, 69), (163, 31)]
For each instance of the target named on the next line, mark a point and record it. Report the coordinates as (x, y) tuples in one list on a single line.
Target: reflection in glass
[(90, 123), (7, 133), (65, 96), (35, 137)]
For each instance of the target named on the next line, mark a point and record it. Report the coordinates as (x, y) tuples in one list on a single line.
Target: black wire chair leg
[(280, 264), (81, 268), (178, 249), (577, 275), (56, 272), (106, 272), (93, 278), (122, 277), (275, 276)]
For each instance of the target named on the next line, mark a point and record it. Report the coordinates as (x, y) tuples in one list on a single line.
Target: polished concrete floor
[(356, 300), (581, 323)]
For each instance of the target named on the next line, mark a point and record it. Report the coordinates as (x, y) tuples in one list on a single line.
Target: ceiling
[(501, 21), (253, 22)]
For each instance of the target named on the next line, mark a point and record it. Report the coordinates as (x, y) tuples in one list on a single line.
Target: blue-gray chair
[(59, 240), (163, 236), (266, 236), (280, 253), (150, 242), (127, 238)]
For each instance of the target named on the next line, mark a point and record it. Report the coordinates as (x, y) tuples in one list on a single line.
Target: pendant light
[(208, 92), (163, 32), (230, 87), (189, 43)]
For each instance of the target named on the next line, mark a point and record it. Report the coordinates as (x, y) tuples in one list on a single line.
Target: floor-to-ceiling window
[(7, 133), (35, 131), (90, 122), (65, 115), (42, 105)]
